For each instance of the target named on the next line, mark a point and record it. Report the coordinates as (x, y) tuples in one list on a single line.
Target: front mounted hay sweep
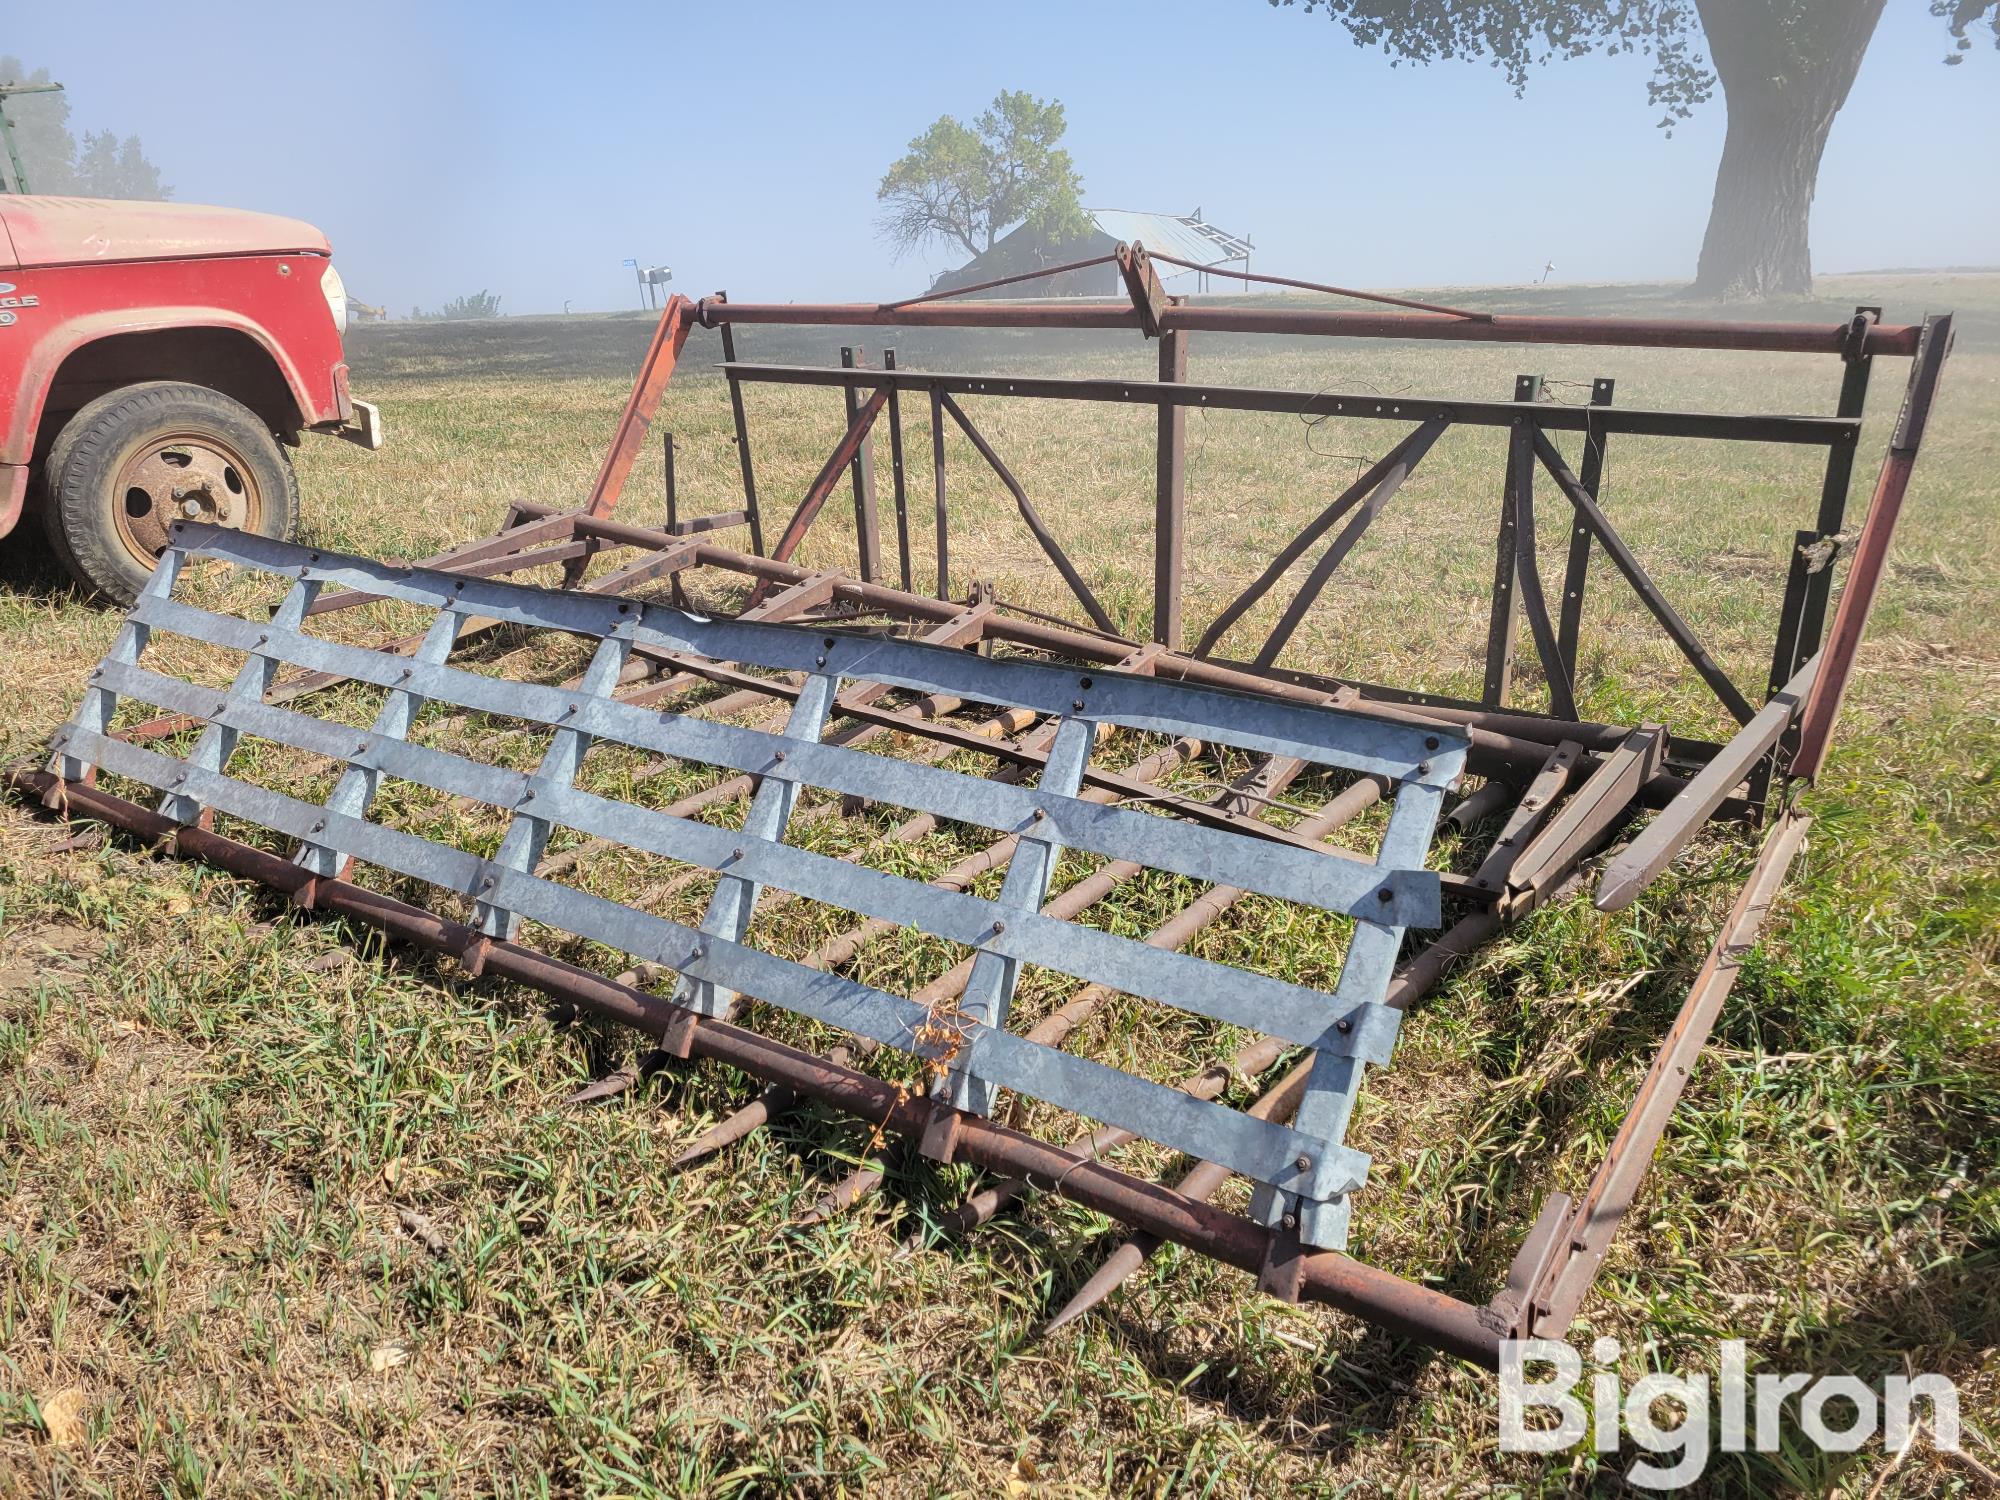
[(1226, 779)]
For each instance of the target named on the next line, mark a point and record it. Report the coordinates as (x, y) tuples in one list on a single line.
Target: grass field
[(230, 1130)]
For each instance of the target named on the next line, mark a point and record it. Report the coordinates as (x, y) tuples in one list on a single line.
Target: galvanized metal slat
[(735, 898), (1296, 1013), (355, 792), (1334, 1082), (1385, 747), (989, 990), (1268, 868), (1259, 1150), (99, 705), (253, 679), (527, 833)]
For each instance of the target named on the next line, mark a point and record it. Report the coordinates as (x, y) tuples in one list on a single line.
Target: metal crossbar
[(1303, 1174)]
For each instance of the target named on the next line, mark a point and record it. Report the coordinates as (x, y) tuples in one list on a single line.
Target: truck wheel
[(134, 461)]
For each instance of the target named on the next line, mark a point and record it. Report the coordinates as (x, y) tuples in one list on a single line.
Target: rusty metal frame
[(1560, 788)]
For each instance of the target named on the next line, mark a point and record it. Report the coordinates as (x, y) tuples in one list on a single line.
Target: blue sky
[(529, 149)]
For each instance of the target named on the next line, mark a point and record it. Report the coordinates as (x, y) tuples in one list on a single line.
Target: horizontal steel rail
[(1820, 431), (1501, 328)]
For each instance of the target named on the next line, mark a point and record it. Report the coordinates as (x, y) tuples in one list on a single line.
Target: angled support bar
[(1653, 850), (1299, 545), (828, 478), (1641, 581), (1050, 547), (1405, 460)]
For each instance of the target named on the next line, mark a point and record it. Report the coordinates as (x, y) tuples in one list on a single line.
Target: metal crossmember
[(1303, 1172)]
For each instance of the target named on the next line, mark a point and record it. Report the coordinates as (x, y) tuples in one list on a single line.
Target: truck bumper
[(364, 427), (13, 491)]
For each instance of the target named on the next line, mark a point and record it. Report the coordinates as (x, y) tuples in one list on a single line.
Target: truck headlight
[(335, 291)]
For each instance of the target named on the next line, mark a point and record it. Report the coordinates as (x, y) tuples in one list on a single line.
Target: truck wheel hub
[(183, 477)]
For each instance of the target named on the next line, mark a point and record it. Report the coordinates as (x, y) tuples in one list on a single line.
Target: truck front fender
[(70, 337)]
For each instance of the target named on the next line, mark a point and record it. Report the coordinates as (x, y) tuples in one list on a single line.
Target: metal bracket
[(1142, 284)]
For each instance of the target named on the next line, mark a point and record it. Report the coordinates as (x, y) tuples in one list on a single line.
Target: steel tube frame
[(1605, 781)]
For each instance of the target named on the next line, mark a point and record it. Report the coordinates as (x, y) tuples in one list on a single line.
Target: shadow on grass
[(29, 570)]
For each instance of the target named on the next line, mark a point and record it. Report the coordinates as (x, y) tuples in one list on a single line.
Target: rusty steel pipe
[(1203, 1182), (1401, 1306), (1635, 333)]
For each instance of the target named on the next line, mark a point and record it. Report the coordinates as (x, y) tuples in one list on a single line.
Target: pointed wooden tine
[(1201, 1183), (850, 1190), (776, 1099), (1131, 1255), (622, 1081), (1125, 1262)]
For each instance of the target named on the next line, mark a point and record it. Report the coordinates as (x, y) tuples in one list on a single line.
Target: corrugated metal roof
[(1179, 235)]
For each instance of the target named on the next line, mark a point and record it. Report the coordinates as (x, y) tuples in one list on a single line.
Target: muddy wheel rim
[(181, 477)]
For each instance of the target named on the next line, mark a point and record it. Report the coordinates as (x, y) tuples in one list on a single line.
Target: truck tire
[(135, 460)]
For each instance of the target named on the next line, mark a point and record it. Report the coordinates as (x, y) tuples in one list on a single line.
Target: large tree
[(1784, 66), (97, 165), (964, 184)]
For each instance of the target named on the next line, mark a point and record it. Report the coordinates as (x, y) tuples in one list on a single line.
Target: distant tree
[(480, 304), (107, 167), (965, 184), (99, 165), (1785, 67)]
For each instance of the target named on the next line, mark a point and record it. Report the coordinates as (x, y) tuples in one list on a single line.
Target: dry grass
[(282, 1211)]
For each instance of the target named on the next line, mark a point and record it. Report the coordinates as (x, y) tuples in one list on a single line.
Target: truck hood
[(68, 231)]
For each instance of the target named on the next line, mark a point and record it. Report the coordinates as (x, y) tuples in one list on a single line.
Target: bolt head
[(1304, 1163), (1385, 895), (1343, 1025)]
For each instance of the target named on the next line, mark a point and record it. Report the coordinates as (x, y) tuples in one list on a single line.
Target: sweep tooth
[(1124, 1262), (849, 1191), (775, 1100), (623, 1081), (972, 1212)]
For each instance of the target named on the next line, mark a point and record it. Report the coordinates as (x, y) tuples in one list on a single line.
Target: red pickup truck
[(155, 361)]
